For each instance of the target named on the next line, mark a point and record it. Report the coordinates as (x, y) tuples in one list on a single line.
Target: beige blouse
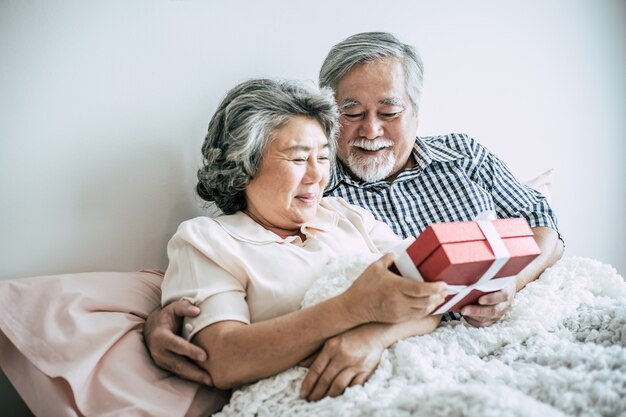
[(234, 269)]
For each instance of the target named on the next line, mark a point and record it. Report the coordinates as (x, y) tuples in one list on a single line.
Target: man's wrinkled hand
[(170, 351), (491, 307), (345, 360)]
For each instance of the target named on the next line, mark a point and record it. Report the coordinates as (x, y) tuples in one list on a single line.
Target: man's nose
[(371, 127)]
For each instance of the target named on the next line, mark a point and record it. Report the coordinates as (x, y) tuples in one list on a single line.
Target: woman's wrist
[(388, 334), (349, 308)]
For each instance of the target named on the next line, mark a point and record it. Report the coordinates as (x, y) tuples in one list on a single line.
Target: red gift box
[(460, 254)]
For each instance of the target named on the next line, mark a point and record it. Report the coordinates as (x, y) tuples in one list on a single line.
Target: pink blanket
[(72, 346)]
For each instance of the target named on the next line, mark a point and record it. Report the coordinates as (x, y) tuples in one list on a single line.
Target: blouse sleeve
[(198, 272)]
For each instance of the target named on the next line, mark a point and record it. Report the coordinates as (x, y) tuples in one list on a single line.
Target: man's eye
[(389, 115), (353, 116)]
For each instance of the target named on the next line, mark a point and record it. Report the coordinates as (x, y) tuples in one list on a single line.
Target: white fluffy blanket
[(560, 350)]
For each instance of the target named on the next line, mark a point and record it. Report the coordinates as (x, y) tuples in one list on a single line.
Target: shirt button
[(188, 327)]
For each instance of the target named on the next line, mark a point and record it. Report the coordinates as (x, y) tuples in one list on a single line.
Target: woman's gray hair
[(371, 46), (244, 124)]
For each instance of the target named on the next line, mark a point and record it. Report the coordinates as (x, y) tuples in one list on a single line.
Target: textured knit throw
[(560, 350)]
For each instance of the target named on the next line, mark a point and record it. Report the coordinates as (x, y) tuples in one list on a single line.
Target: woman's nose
[(371, 127), (314, 171)]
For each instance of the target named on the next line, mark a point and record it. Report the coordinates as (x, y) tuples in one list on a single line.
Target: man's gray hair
[(371, 46), (244, 124)]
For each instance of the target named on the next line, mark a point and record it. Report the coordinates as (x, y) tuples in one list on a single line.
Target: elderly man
[(404, 180)]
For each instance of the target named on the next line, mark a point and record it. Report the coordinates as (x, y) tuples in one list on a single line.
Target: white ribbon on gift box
[(407, 268)]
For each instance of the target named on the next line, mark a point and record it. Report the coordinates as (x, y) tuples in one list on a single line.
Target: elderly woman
[(267, 158)]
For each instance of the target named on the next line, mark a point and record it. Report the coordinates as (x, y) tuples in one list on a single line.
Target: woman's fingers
[(422, 289), (308, 361), (410, 300), (316, 369), (360, 378), (333, 382), (387, 260), (341, 362), (339, 384)]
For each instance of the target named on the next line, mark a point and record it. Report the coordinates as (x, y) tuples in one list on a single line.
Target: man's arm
[(551, 251), (513, 199), (491, 307), (170, 351)]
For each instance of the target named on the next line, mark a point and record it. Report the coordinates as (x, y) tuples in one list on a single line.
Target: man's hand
[(345, 360), (490, 307), (170, 351)]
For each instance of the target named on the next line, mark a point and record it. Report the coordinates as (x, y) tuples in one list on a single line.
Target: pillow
[(543, 184), (73, 345)]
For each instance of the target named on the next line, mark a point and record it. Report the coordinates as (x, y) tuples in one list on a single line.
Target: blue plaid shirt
[(454, 179)]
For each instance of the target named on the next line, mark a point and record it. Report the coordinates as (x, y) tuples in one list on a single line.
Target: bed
[(72, 346)]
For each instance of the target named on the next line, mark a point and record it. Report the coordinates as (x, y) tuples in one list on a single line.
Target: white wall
[(104, 104)]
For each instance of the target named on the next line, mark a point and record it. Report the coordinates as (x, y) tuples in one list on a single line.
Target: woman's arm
[(350, 358), (388, 334), (240, 353)]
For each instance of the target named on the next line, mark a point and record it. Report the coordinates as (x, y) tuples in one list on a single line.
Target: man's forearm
[(551, 251)]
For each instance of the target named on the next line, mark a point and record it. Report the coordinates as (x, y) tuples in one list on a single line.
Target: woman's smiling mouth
[(308, 198)]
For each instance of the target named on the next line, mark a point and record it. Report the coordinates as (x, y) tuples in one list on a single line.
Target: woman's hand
[(345, 360), (170, 351), (379, 295)]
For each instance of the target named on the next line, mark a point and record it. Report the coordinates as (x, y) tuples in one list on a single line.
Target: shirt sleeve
[(510, 197), (196, 273)]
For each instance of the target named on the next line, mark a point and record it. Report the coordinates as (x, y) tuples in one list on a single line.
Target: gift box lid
[(459, 251)]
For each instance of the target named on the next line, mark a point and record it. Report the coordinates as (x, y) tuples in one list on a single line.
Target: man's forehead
[(370, 84)]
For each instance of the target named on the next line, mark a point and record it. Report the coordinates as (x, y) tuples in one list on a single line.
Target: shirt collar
[(241, 226), (338, 175), (425, 151), (433, 148)]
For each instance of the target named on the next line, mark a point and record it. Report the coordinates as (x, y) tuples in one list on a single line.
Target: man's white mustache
[(371, 144)]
